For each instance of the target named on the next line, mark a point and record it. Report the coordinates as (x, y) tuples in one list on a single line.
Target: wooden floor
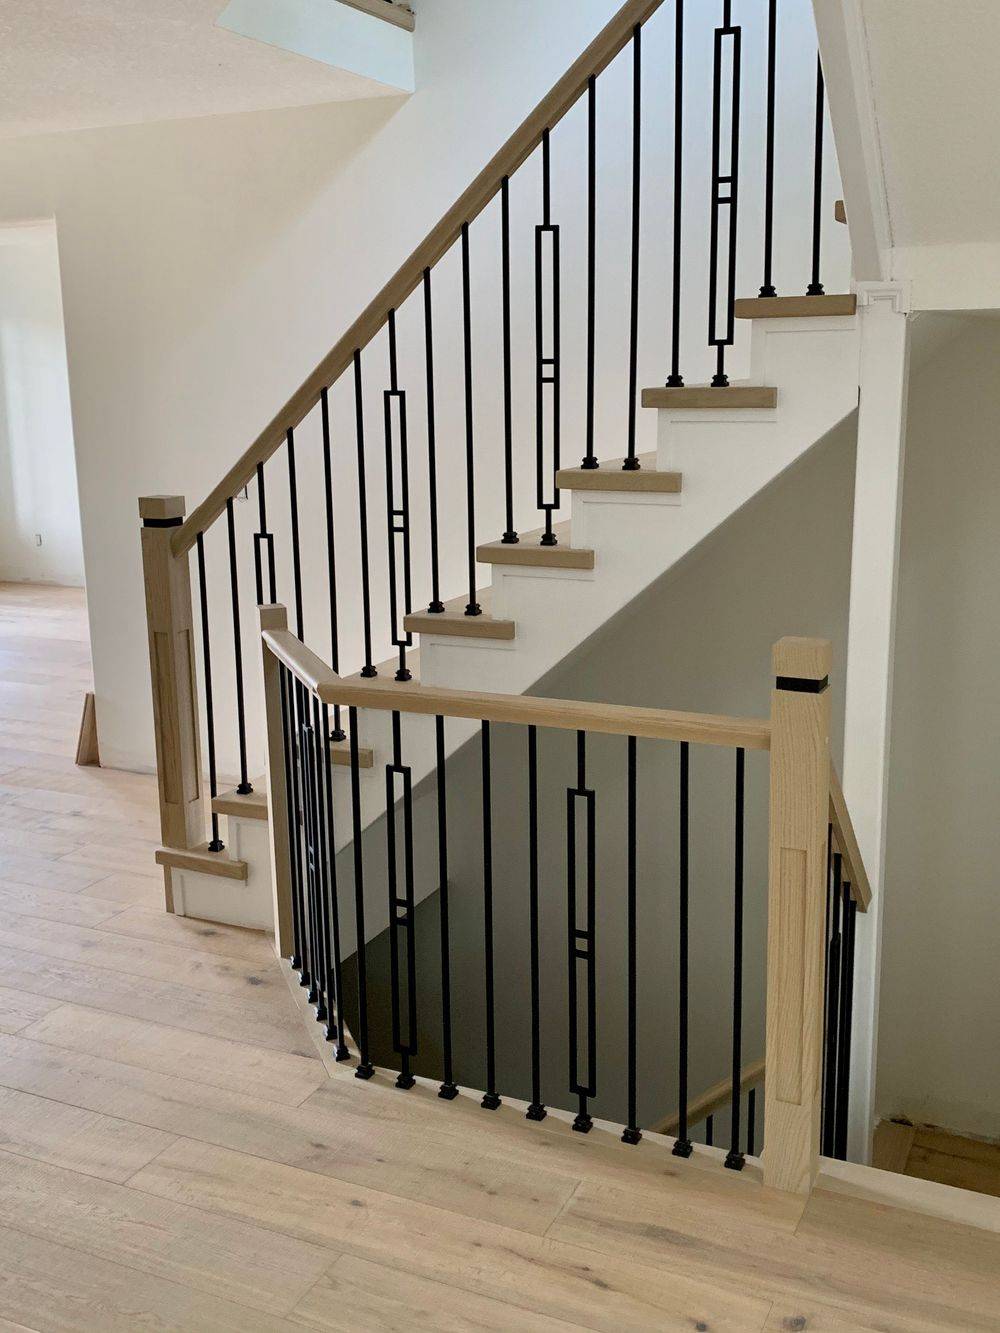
[(926, 1152), (175, 1155)]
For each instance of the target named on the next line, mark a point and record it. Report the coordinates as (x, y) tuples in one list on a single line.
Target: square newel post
[(172, 670), (800, 795), (276, 618)]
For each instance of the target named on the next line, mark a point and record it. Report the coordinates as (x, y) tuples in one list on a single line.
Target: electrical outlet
[(38, 539)]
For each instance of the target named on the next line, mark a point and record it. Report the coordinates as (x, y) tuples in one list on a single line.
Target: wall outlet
[(38, 539)]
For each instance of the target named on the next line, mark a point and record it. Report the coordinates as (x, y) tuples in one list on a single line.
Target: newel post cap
[(157, 510), (273, 617), (802, 662)]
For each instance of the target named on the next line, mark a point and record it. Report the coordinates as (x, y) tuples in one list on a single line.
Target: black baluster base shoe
[(510, 539), (436, 609), (549, 539), (683, 1148), (341, 1053), (491, 1102), (216, 845), (367, 672), (720, 381), (536, 1111), (338, 734), (675, 382), (244, 789), (590, 464), (448, 1092), (815, 289), (313, 998), (583, 1124), (473, 609), (304, 978), (405, 1082), (768, 291), (321, 1014), (735, 1161), (631, 465), (403, 675), (295, 962), (632, 1136), (364, 1071)]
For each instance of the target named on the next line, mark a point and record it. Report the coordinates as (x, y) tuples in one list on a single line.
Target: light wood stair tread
[(203, 861), (611, 477), (529, 551), (796, 307), (453, 620), (253, 805), (704, 396)]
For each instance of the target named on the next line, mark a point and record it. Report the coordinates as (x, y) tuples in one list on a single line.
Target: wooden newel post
[(172, 670), (800, 797), (274, 618)]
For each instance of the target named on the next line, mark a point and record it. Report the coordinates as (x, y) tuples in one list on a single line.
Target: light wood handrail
[(846, 844), (712, 1099), (398, 15), (549, 111)]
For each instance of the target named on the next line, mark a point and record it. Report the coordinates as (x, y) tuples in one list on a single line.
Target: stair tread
[(453, 620), (704, 396), (250, 806), (796, 307), (202, 860), (610, 477), (529, 551)]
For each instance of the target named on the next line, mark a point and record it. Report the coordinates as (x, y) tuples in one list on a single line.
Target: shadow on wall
[(699, 639)]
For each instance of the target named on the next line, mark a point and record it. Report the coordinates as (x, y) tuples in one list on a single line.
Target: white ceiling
[(934, 70), (78, 64)]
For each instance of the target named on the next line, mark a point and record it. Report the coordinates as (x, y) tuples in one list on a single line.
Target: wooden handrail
[(847, 845), (550, 110), (398, 15), (712, 1099)]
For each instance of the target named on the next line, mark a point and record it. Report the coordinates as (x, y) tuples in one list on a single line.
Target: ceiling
[(79, 64), (934, 74)]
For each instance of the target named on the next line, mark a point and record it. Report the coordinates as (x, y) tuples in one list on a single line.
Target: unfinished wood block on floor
[(87, 751)]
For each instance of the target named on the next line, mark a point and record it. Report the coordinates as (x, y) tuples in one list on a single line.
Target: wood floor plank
[(140, 922), (278, 1076), (42, 872), (19, 1009), (533, 1273), (54, 905), (129, 890)]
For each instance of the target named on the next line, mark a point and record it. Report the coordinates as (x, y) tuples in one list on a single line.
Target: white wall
[(208, 265), (939, 1030), (38, 495)]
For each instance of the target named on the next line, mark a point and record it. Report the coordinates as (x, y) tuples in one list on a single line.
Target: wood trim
[(796, 307), (231, 803), (891, 1145), (546, 115), (702, 397), (398, 15), (87, 752), (713, 1099), (610, 476), (203, 861), (847, 844), (840, 212)]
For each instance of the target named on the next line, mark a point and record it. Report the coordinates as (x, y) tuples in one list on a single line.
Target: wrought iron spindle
[(436, 606), (293, 506), (401, 908), (298, 819), (815, 287), (397, 507), (632, 1133), (259, 538), (725, 194), (288, 736), (580, 939), (473, 608), (536, 1111), (590, 458), (850, 909), (244, 789), (735, 1158), (368, 669), (631, 463), (752, 1123), (491, 1100), (767, 287), (833, 971), (338, 733), (328, 842), (320, 739), (448, 1090), (510, 537), (216, 844), (710, 1132), (675, 380), (547, 367), (365, 1067), (682, 1146), (307, 753)]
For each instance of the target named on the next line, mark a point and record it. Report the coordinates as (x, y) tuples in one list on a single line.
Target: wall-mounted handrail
[(549, 111), (846, 843)]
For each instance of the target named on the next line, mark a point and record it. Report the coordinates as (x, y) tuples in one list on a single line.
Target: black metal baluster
[(473, 608), (490, 1101), (293, 506), (548, 372), (815, 287), (319, 741), (401, 909), (675, 380), (338, 733), (510, 537), (299, 809), (365, 1068), (306, 741), (580, 940), (259, 538), (216, 844), (768, 288), (536, 1111), (397, 508), (448, 1091), (368, 669), (682, 1146), (590, 458), (735, 1158), (244, 789), (710, 1132), (752, 1122), (631, 463), (833, 967), (632, 1133), (335, 1028), (725, 192), (846, 1024), (293, 827), (436, 606)]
